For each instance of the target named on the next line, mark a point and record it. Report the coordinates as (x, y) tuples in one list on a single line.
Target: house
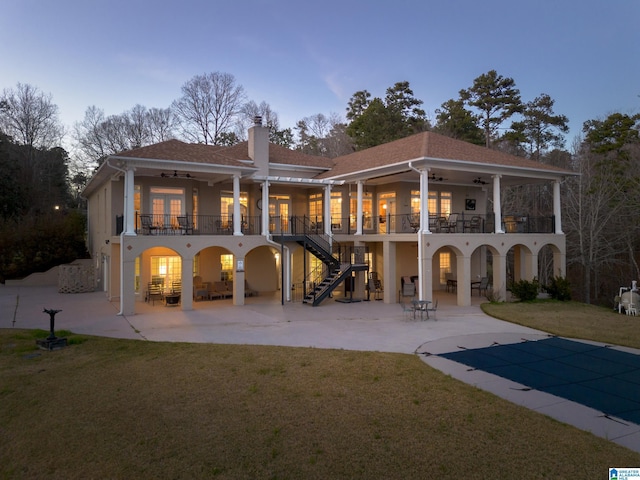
[(256, 215)]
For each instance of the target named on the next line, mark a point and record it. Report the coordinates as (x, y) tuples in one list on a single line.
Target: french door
[(166, 205)]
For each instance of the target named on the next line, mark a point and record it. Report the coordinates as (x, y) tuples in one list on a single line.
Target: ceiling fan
[(176, 175), (479, 181), (433, 178)]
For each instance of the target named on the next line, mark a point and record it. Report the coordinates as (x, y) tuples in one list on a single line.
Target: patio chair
[(375, 286), (221, 289), (200, 288), (148, 228), (433, 223), (408, 287), (433, 309), (248, 291), (443, 224), (154, 292), (475, 224), (223, 228), (452, 222), (452, 283), (186, 227), (408, 309), (481, 286)]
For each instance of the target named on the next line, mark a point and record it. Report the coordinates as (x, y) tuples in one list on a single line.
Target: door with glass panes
[(279, 207)]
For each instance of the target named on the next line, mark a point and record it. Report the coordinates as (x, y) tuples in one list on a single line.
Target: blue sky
[(305, 58)]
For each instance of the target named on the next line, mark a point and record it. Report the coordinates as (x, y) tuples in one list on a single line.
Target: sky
[(304, 58)]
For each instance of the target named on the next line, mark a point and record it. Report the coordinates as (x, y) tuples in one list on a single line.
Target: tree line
[(600, 207)]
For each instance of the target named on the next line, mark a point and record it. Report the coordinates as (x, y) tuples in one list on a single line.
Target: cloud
[(334, 84)]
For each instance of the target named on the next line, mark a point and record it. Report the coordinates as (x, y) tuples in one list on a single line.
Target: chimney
[(259, 145)]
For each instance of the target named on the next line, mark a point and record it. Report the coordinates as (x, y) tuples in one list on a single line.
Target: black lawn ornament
[(52, 342)]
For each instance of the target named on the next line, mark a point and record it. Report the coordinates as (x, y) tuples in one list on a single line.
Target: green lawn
[(126, 409)]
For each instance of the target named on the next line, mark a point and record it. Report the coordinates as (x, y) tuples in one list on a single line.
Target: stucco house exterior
[(263, 218)]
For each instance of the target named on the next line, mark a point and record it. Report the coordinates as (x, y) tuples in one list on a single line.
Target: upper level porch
[(167, 224)]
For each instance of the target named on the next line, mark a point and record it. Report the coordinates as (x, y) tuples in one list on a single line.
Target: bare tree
[(161, 123), (88, 136), (323, 136), (137, 125), (209, 106), (98, 136), (30, 117), (591, 219)]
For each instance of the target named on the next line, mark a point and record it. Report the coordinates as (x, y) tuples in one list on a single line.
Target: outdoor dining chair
[(408, 309)]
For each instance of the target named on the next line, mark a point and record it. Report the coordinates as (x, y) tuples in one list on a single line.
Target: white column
[(424, 201), (497, 211), (424, 228), (359, 210), (327, 210), (556, 207), (129, 213), (499, 284), (265, 208), (186, 300), (237, 219)]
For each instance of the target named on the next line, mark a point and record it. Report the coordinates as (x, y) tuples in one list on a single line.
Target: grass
[(571, 319), (110, 408)]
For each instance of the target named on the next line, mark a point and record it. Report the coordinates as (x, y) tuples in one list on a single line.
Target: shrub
[(493, 295), (559, 289), (526, 290)]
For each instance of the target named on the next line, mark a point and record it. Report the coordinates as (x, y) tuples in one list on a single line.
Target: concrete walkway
[(365, 326)]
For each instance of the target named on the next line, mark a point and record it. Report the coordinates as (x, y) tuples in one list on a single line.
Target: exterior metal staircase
[(337, 261)]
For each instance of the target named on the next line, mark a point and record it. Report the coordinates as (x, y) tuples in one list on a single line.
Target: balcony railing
[(153, 224), (453, 223), (165, 224)]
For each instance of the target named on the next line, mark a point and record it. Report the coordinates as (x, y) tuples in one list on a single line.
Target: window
[(433, 203), (137, 202), (315, 207), (279, 213), (166, 205), (445, 266), (168, 269), (194, 199), (367, 207), (415, 202), (226, 205), (336, 210), (226, 267), (445, 203)]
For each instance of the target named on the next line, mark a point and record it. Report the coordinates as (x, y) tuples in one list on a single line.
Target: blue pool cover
[(599, 377)]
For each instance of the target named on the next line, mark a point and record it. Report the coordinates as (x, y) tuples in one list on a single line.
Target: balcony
[(154, 224), (460, 223), (453, 223)]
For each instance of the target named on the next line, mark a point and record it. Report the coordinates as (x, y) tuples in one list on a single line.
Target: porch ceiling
[(447, 176)]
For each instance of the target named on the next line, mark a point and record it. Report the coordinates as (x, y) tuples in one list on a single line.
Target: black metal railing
[(166, 224), (452, 223)]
